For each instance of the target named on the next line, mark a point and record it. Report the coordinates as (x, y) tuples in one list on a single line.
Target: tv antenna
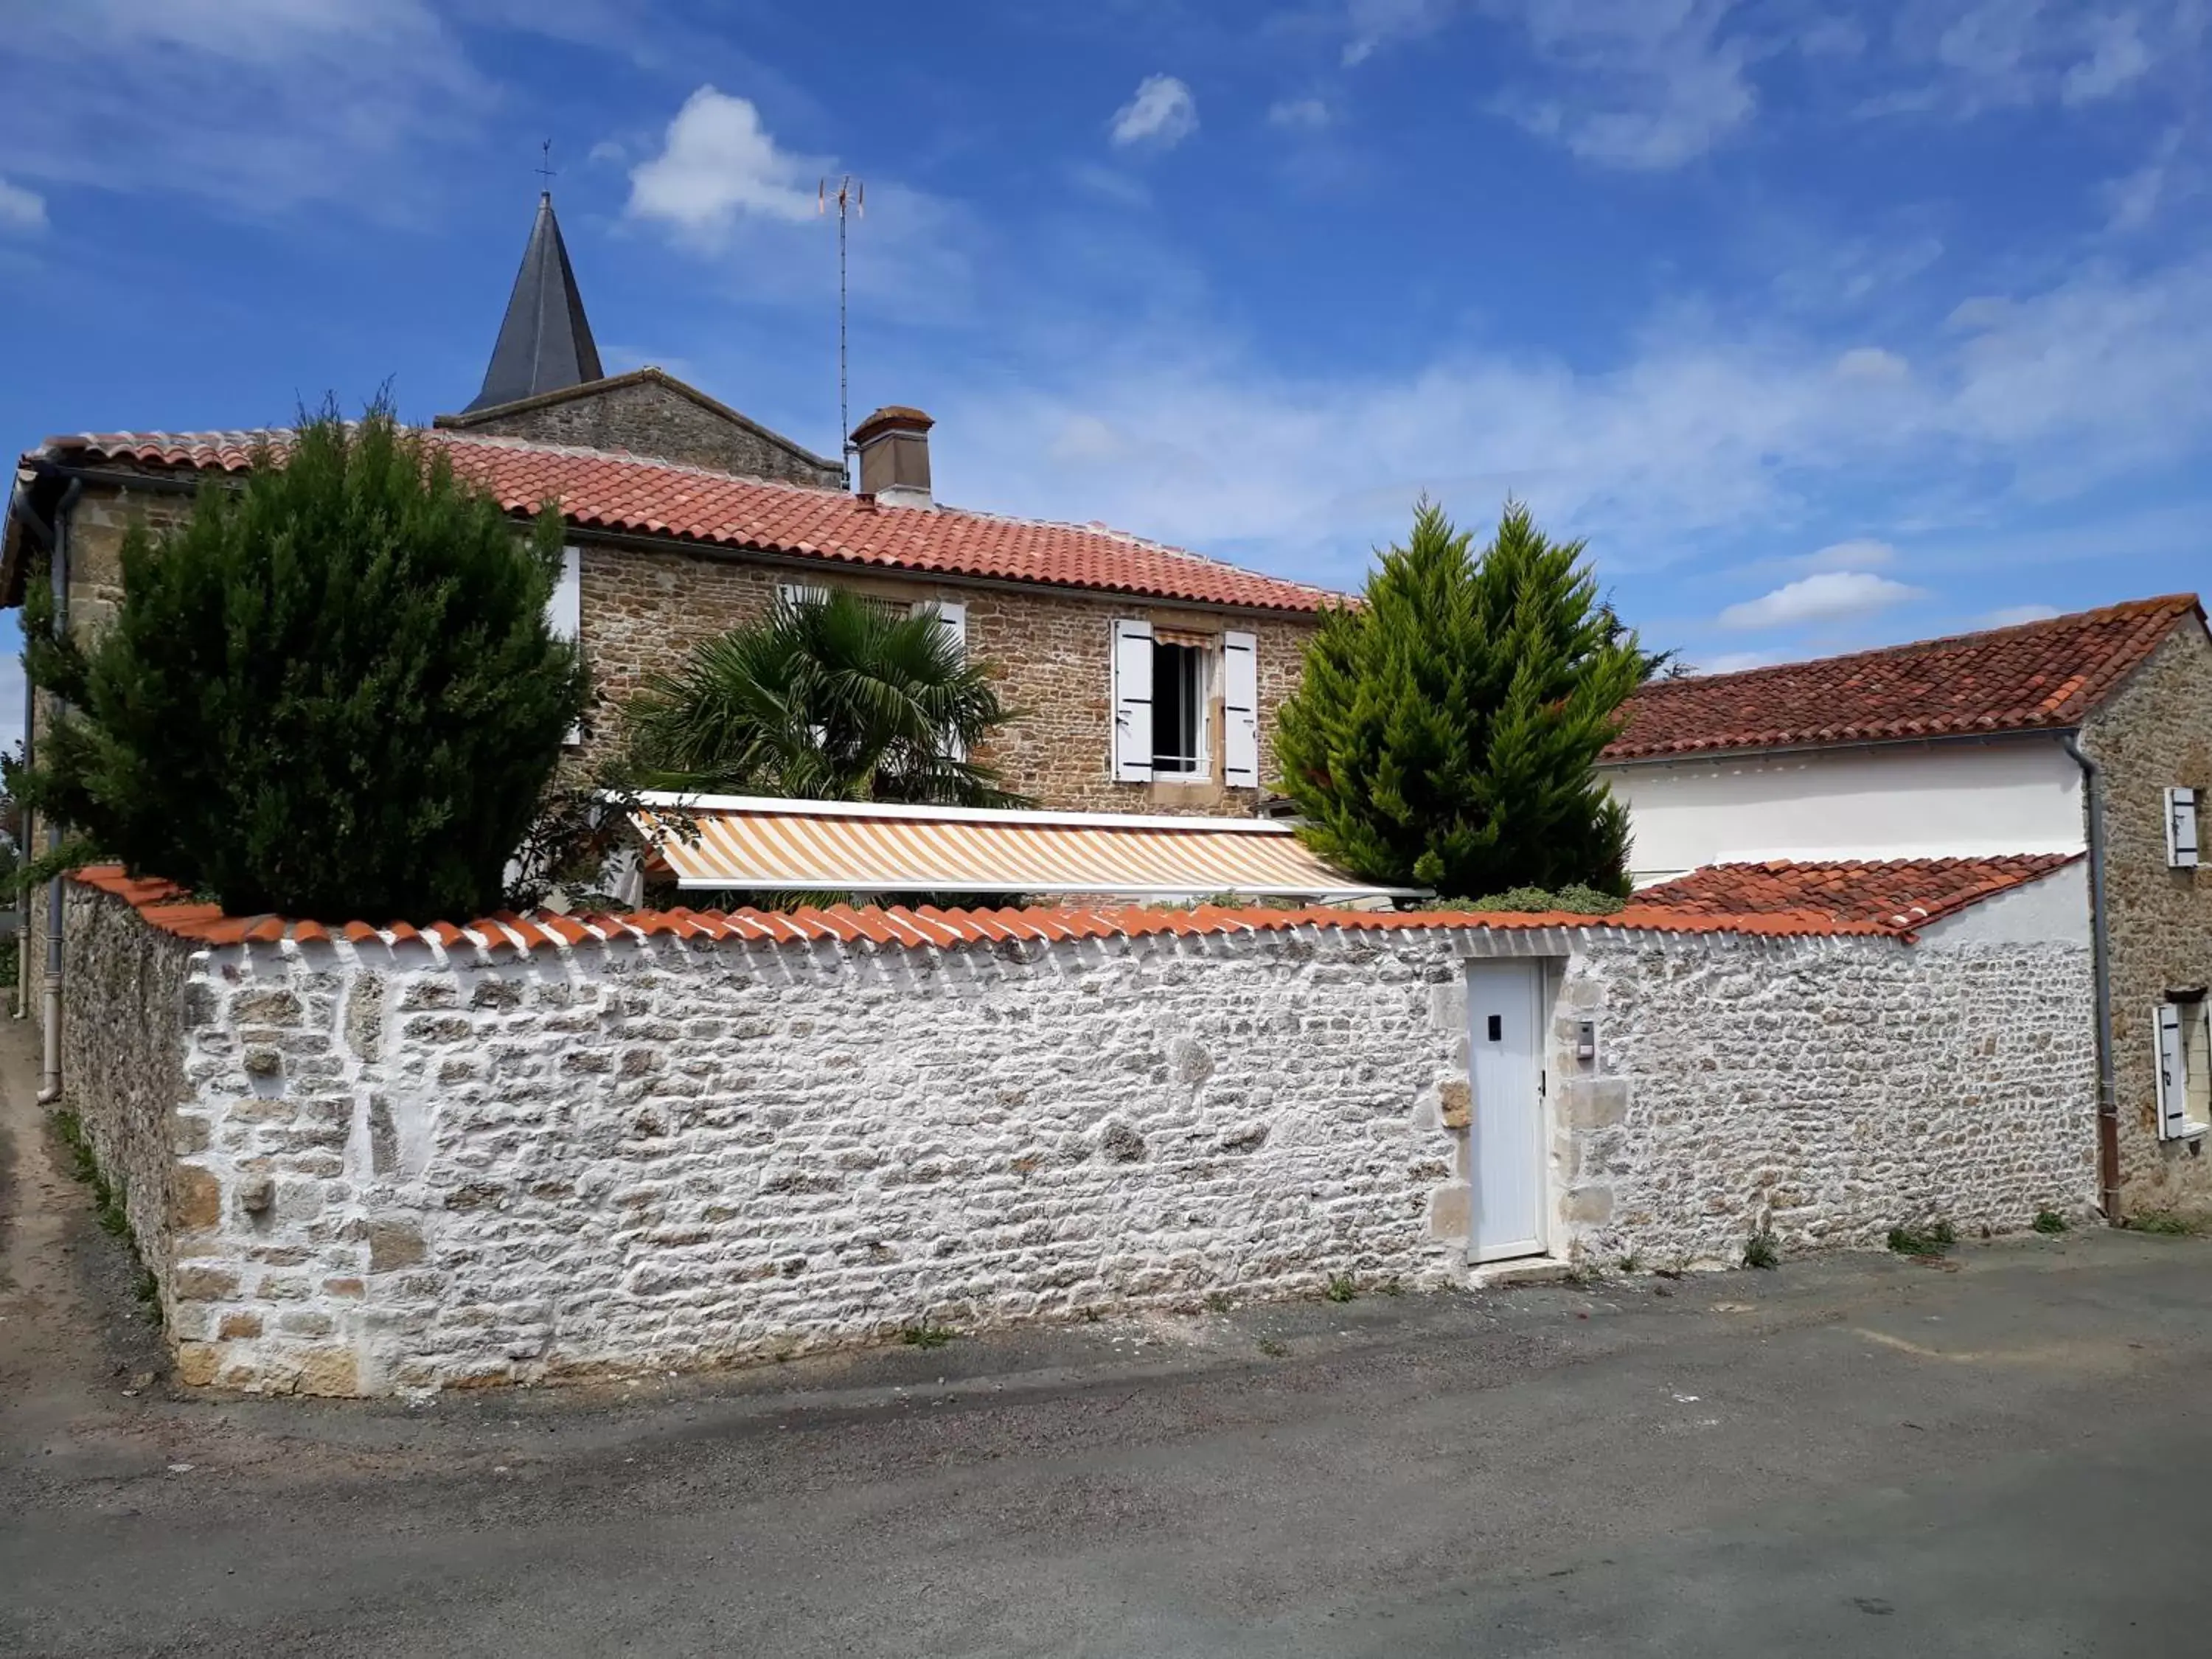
[(851, 198)]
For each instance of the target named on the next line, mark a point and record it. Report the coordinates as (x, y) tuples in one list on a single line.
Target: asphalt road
[(1849, 1456)]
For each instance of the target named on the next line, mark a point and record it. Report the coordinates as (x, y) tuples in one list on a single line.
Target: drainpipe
[(50, 1073), (2108, 1100)]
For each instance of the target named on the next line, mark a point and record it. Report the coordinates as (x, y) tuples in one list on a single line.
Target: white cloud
[(2012, 615), (258, 104), (1712, 435), (1300, 114), (1643, 84), (1827, 596), (1872, 363), (1849, 556), (20, 209), (2132, 201), (719, 164), (2117, 58), (1733, 662), (1374, 24), (1161, 115)]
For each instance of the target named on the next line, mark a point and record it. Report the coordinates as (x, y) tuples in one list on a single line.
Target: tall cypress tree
[(330, 691), (1446, 727)]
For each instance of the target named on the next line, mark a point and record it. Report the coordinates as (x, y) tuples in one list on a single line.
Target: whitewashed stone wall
[(1830, 1088), (435, 1171), (396, 1168)]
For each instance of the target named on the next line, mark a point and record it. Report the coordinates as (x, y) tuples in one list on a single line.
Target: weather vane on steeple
[(546, 168)]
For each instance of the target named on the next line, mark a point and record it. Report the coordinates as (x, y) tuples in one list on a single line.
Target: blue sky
[(1826, 324)]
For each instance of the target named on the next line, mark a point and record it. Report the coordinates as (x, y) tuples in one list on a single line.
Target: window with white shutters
[(2181, 827), (797, 593), (1133, 700), (1240, 710), (2183, 1035)]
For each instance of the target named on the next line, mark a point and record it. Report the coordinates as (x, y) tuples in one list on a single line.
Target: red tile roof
[(2037, 676), (165, 905), (1896, 894), (602, 489)]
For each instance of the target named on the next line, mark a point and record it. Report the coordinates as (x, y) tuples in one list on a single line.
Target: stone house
[(2084, 735), (1146, 676)]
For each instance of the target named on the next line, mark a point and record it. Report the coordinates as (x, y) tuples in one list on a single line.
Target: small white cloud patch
[(1299, 114), (719, 164), (1861, 554), (1827, 596), (20, 209), (1872, 364), (1161, 116), (2012, 615)]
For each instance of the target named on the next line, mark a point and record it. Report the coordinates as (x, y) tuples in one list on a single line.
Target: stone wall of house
[(123, 1043), (644, 609), (647, 417), (2156, 732), (1832, 1088), (426, 1171)]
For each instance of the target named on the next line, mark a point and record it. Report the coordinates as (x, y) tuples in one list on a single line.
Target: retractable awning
[(807, 846)]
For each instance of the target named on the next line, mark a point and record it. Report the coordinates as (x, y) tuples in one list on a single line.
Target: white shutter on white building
[(1133, 702), (795, 593), (564, 611), (1240, 710), (2181, 827), (2173, 1074)]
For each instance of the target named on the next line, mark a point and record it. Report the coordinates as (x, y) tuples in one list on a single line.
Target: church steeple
[(544, 342)]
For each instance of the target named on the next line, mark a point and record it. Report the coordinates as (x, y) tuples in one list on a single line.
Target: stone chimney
[(894, 447)]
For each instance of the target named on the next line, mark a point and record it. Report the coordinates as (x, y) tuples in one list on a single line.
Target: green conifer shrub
[(330, 691), (1445, 731)]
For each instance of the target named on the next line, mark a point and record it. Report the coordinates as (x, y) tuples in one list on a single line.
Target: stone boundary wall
[(393, 1165), (123, 1045), (430, 1170), (1831, 1088)]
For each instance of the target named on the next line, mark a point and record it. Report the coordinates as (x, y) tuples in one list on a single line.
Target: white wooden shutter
[(953, 617), (1240, 710), (2173, 1074), (801, 593), (564, 611), (1133, 700), (2181, 827)]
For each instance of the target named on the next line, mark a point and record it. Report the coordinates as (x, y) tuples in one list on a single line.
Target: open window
[(1167, 683), (2184, 1067), (1182, 685)]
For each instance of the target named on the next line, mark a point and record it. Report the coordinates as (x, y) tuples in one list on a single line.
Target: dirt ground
[(2006, 1454)]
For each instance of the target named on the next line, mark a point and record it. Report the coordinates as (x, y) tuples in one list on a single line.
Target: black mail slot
[(1497, 1028)]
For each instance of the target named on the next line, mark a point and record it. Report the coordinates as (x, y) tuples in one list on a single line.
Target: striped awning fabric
[(751, 842)]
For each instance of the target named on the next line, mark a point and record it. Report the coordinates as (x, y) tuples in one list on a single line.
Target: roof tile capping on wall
[(169, 908)]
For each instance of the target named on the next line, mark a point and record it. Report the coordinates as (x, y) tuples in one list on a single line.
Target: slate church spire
[(544, 342)]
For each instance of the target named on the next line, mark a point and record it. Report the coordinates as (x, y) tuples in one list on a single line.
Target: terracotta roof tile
[(614, 491), (2037, 675), (1899, 896), (1765, 909)]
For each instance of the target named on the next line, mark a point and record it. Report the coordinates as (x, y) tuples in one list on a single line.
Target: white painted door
[(1504, 1003)]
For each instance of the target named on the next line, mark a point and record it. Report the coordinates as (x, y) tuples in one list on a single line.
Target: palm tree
[(834, 698)]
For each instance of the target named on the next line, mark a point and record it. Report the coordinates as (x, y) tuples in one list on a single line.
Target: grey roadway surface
[(1848, 1456)]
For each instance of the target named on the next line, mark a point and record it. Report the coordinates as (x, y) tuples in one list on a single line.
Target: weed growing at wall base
[(2050, 1222), (1762, 1249), (926, 1336), (1923, 1242), (108, 1204)]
